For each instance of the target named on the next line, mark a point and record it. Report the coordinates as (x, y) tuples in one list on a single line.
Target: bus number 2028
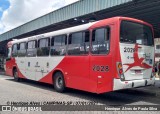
[(99, 68)]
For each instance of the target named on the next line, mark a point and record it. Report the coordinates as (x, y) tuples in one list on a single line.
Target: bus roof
[(74, 29)]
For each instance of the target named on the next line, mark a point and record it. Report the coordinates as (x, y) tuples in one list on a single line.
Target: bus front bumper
[(118, 84)]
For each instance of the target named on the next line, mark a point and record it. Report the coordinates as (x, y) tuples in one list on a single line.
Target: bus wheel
[(15, 74), (59, 83)]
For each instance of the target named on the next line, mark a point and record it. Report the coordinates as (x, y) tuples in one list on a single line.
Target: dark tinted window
[(43, 47), (44, 43), (78, 43), (22, 46), (132, 32), (100, 40), (31, 44), (14, 50), (157, 46), (22, 49), (31, 48), (58, 45)]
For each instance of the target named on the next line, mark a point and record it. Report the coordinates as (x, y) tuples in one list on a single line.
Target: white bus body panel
[(35, 68), (132, 67)]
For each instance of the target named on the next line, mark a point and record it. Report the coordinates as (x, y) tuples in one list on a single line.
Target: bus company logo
[(6, 108), (137, 61)]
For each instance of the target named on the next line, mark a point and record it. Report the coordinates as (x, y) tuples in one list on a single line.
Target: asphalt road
[(30, 91)]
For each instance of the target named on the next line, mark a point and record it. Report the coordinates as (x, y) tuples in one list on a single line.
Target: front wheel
[(15, 75), (59, 83)]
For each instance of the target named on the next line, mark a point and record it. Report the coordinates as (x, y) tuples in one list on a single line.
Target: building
[(157, 49)]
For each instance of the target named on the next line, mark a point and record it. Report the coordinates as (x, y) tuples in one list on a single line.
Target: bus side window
[(78, 43), (22, 49), (58, 45), (101, 40), (14, 50), (31, 48), (43, 47)]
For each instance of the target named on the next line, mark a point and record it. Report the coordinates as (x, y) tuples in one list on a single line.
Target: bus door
[(31, 60), (77, 61), (42, 61), (42, 67), (30, 67), (101, 59)]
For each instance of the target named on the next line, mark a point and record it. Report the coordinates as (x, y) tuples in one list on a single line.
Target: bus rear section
[(136, 48)]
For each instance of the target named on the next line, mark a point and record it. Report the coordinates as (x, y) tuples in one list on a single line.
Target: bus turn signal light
[(120, 66), (120, 71)]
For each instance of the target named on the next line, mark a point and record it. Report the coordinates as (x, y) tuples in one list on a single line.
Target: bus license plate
[(138, 71)]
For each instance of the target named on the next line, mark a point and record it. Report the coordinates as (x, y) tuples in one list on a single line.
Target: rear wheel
[(15, 75), (59, 83)]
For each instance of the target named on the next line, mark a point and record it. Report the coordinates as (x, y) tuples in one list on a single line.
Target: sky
[(14, 13)]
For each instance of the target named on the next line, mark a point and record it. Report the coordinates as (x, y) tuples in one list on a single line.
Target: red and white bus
[(107, 55)]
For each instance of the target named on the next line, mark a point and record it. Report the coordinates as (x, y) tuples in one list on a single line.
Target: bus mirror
[(7, 59)]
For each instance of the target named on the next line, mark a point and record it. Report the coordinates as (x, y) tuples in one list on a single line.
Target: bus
[(107, 55)]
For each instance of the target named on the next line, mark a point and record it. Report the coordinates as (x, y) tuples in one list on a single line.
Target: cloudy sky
[(17, 12)]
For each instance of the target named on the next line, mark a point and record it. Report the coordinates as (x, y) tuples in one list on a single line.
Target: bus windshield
[(132, 32)]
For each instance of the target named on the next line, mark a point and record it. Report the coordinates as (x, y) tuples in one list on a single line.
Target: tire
[(59, 83), (15, 75)]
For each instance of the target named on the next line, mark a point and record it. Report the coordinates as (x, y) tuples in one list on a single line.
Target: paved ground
[(28, 91)]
